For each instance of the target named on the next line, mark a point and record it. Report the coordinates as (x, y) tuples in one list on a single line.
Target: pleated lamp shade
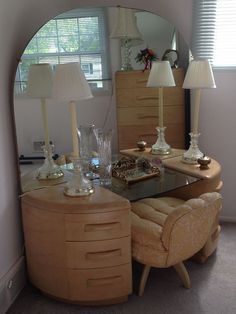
[(40, 81), (161, 75), (70, 84), (199, 75), (126, 25)]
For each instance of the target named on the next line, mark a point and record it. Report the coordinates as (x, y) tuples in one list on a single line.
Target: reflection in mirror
[(83, 35)]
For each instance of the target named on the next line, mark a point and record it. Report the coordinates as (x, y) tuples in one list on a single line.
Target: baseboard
[(11, 284), (227, 219)]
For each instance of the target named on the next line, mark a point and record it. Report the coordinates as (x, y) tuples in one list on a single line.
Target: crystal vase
[(86, 137), (104, 155)]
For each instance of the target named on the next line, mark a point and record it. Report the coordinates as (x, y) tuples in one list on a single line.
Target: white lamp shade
[(161, 75), (40, 81), (126, 25), (199, 75), (69, 83)]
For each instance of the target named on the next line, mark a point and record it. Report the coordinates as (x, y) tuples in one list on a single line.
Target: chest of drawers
[(78, 249), (137, 109)]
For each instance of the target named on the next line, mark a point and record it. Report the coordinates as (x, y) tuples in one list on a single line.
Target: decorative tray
[(131, 170)]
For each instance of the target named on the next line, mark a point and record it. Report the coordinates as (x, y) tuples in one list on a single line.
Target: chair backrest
[(187, 228)]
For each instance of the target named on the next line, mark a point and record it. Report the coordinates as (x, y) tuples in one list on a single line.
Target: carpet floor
[(213, 289)]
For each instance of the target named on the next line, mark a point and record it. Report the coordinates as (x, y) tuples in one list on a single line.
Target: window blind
[(214, 29), (203, 38), (225, 34)]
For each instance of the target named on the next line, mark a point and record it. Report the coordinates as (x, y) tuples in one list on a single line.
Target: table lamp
[(199, 76), (70, 85), (127, 30), (160, 76), (39, 85)]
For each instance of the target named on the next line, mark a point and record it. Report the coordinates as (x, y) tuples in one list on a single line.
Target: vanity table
[(79, 249)]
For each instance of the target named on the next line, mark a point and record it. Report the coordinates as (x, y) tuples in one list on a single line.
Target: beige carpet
[(213, 289)]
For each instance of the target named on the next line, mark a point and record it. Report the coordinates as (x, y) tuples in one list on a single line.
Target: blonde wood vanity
[(78, 249), (137, 109)]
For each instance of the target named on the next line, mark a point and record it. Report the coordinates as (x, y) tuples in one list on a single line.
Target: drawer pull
[(102, 255), (104, 281), (101, 227), (146, 97), (146, 135), (147, 117), (141, 81)]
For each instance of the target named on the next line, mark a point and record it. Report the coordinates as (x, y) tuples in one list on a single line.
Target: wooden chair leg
[(143, 280), (183, 274)]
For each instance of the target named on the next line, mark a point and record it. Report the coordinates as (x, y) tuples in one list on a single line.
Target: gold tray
[(131, 170)]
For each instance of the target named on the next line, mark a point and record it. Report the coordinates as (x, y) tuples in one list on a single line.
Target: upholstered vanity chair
[(166, 231)]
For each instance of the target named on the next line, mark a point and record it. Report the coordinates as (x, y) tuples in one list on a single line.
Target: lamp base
[(49, 170), (193, 153), (125, 55), (78, 185), (161, 147)]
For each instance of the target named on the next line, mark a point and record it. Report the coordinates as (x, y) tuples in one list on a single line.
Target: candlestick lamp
[(126, 29), (161, 76), (40, 86), (70, 85), (199, 76)]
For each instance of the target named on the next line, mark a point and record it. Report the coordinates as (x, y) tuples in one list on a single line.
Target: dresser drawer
[(129, 135), (137, 79), (100, 284), (98, 253), (131, 79), (89, 227), (143, 97), (144, 116), (146, 97)]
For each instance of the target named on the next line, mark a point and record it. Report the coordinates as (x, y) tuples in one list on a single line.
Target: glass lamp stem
[(193, 153), (126, 62)]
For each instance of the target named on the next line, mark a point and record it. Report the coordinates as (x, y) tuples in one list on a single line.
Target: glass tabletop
[(169, 180), (154, 187)]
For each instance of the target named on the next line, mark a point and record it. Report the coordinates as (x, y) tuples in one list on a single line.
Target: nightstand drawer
[(102, 226), (99, 253), (100, 284)]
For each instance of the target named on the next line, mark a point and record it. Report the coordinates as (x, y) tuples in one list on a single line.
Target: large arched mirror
[(83, 35)]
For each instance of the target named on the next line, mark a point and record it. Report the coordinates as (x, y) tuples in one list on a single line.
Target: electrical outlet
[(11, 284)]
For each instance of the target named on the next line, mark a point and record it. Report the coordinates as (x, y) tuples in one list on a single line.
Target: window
[(214, 31), (75, 36)]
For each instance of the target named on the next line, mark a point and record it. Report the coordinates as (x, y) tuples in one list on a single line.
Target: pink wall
[(218, 129)]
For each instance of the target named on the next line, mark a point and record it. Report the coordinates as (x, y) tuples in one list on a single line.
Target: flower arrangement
[(146, 56)]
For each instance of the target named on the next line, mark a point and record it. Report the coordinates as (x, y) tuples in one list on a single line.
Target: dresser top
[(53, 199)]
